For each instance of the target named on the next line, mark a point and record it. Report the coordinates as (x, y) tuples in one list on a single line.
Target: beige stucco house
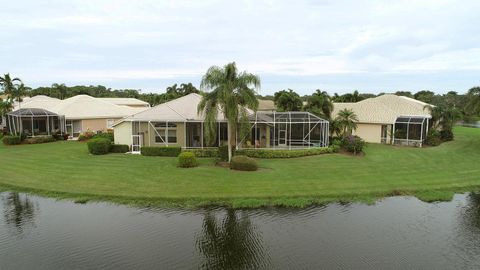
[(178, 123), (390, 119), (85, 113)]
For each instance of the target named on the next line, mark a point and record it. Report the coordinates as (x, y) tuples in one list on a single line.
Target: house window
[(110, 123), (161, 134)]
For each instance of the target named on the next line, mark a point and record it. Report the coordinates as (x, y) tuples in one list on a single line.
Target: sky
[(333, 45)]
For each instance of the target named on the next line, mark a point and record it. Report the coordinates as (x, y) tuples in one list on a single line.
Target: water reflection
[(19, 211), (471, 213), (231, 242)]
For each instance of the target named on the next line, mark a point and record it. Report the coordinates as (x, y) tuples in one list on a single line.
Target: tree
[(287, 101), (61, 90), (425, 96), (347, 121), (404, 93), (5, 107), (444, 116), (19, 91), (8, 84), (233, 93), (320, 104), (473, 103), (353, 97), (186, 89)]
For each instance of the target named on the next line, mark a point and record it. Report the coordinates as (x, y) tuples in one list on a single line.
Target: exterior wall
[(96, 124), (123, 133), (150, 134), (371, 133)]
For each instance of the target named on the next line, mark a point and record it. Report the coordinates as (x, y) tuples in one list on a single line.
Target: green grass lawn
[(66, 170)]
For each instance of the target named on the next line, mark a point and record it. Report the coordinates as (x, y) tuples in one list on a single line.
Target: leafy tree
[(404, 93), (473, 103), (233, 92), (8, 84), (186, 89), (347, 121), (444, 117), (350, 97), (61, 90), (425, 96), (320, 104), (287, 101)]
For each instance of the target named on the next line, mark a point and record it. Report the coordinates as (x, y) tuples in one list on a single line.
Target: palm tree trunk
[(229, 140)]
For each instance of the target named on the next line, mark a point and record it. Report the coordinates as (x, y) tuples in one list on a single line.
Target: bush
[(187, 160), (433, 138), (446, 135), (206, 152), (11, 140), (86, 136), (170, 151), (40, 139), (271, 153), (108, 136), (223, 153), (119, 148), (99, 146), (353, 144), (243, 163)]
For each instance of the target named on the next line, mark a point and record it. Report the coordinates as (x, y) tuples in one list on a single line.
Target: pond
[(395, 233)]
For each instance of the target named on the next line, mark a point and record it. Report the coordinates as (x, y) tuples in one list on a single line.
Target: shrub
[(119, 148), (170, 151), (433, 138), (353, 144), (99, 146), (108, 136), (243, 163), (40, 139), (223, 153), (11, 140), (86, 136), (446, 135), (271, 153), (187, 160), (206, 152)]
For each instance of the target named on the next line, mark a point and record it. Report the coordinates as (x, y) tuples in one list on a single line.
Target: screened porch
[(35, 122), (410, 130)]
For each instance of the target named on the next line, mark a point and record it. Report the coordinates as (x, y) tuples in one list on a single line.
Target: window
[(110, 123), (161, 135), (164, 125)]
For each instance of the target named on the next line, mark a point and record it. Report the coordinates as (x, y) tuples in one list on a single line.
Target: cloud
[(86, 41)]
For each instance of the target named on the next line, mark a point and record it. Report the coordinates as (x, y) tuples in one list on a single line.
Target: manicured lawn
[(66, 170)]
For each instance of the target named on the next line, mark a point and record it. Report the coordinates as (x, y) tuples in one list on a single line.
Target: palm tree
[(232, 92), (347, 121), (19, 91), (443, 116), (61, 89), (320, 104), (473, 104), (8, 84)]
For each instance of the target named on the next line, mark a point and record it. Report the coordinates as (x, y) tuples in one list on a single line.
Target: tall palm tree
[(320, 104), (8, 84), (19, 91), (444, 116), (232, 92), (347, 120)]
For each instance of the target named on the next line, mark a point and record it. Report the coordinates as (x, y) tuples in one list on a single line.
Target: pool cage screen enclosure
[(287, 130), (34, 122), (410, 130)]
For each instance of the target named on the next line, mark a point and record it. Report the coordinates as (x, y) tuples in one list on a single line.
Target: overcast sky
[(337, 46)]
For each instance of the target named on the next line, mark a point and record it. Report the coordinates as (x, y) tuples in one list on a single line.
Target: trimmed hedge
[(223, 153), (243, 163), (99, 146), (119, 148), (204, 153), (11, 140), (40, 139), (270, 153), (170, 151), (187, 160)]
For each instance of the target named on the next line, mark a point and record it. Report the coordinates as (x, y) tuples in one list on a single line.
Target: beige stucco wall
[(150, 134), (95, 124), (371, 133), (123, 133)]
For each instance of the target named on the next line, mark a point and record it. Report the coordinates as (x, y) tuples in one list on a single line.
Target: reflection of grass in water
[(66, 170), (18, 211), (232, 243)]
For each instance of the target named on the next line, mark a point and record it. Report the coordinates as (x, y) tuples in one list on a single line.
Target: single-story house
[(81, 113), (390, 119), (178, 123)]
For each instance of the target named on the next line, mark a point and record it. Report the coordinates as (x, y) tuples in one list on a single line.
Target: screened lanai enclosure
[(35, 122), (410, 130)]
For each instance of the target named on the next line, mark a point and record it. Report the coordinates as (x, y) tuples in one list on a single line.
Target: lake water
[(395, 233)]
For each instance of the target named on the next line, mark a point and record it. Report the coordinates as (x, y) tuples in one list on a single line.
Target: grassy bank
[(66, 170)]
